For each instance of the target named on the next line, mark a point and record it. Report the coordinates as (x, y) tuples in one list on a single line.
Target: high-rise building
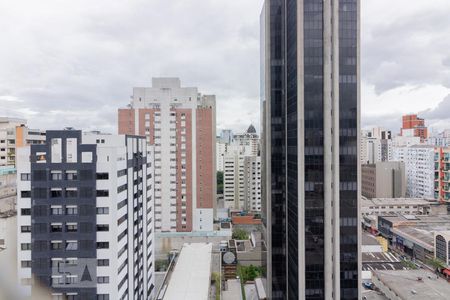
[(442, 174), (242, 172), (252, 183), (383, 180), (180, 123), (414, 126), (226, 136), (420, 167), (85, 217), (14, 134), (310, 131)]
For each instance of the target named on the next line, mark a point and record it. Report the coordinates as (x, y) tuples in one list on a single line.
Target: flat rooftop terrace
[(407, 286)]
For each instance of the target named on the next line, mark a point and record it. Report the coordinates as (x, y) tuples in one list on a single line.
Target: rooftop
[(192, 273), (396, 201), (407, 285)]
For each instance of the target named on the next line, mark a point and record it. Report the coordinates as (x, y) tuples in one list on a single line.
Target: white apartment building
[(180, 123), (85, 217), (221, 150), (248, 142), (419, 166), (242, 172), (233, 182), (15, 134), (252, 183)]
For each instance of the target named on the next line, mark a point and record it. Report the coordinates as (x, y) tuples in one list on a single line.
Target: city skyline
[(89, 63)]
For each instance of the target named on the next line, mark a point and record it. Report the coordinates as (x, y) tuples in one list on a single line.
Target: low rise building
[(413, 235), (405, 206), (411, 284)]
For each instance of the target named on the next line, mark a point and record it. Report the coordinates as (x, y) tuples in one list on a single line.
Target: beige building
[(383, 180), (14, 134)]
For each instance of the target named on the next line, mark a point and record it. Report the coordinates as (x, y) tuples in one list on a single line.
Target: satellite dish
[(229, 258)]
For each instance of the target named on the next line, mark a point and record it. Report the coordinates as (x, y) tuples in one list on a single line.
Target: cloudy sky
[(73, 63)]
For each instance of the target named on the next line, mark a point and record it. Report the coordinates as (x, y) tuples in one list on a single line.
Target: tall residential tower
[(311, 108), (181, 124)]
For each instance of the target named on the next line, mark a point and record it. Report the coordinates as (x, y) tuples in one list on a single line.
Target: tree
[(219, 182), (239, 234), (249, 273)]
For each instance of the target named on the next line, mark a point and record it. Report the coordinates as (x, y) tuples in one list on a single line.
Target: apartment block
[(14, 134), (412, 125), (180, 123), (242, 172), (383, 180), (442, 174), (85, 217), (252, 183)]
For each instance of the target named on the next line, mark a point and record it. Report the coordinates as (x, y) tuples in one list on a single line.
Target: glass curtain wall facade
[(310, 123)]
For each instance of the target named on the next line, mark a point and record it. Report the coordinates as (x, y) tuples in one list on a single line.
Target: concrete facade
[(85, 216), (383, 180), (180, 123)]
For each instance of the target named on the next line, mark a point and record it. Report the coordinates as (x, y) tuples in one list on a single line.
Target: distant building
[(376, 145), (442, 174), (252, 183), (414, 126), (420, 169), (181, 124), (221, 150), (14, 134), (383, 180), (226, 136), (85, 216), (242, 172), (403, 206)]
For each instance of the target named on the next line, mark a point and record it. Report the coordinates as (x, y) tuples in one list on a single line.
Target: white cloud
[(73, 63)]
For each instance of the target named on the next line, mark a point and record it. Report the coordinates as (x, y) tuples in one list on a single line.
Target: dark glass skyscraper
[(310, 106)]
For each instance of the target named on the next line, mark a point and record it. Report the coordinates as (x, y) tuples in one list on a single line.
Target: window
[(102, 210), (25, 176), (56, 193), (71, 175), (102, 262), (56, 210), (103, 297), (103, 279), (56, 175), (102, 245), (25, 211), (56, 262), (72, 262), (71, 279), (71, 210), (56, 245), (102, 176), (86, 157), (25, 228), (71, 193), (56, 227), (25, 194), (25, 246), (121, 173), (57, 280), (71, 150), (71, 245), (103, 227), (71, 227), (102, 193), (25, 263), (72, 296)]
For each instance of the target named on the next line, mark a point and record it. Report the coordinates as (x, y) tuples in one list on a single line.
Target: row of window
[(68, 245), (67, 210), (43, 193)]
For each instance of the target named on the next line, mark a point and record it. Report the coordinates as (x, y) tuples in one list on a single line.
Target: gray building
[(310, 124), (383, 180)]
